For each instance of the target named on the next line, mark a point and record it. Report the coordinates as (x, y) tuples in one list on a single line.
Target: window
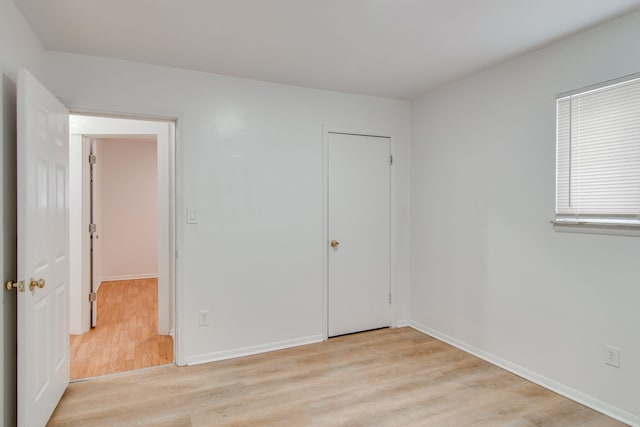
[(598, 155)]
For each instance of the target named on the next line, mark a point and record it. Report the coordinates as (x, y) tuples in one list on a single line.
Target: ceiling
[(391, 48)]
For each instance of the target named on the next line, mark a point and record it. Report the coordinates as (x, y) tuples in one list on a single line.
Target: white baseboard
[(130, 277), (402, 323), (256, 349), (568, 392)]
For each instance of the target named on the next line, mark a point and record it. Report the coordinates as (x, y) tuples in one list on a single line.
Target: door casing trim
[(175, 207)]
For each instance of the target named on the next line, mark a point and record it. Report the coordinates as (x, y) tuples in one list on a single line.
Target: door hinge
[(389, 297), (92, 159), (92, 228), (93, 297), (390, 160)]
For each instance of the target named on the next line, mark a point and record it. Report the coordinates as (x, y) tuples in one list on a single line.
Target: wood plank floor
[(126, 337), (388, 377)]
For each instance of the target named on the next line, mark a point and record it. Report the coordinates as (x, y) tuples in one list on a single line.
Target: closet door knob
[(36, 284)]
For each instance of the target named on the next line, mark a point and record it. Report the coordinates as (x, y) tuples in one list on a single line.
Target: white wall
[(487, 269), (251, 164), (129, 204), (19, 47)]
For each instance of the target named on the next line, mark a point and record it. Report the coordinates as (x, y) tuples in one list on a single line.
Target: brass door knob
[(36, 284), (15, 285), (335, 244)]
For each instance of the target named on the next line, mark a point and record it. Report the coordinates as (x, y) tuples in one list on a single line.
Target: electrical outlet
[(612, 356), (204, 317)]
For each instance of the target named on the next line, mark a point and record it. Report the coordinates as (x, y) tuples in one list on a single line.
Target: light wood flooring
[(126, 337), (388, 377)]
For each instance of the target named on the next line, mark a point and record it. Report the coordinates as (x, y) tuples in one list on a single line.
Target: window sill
[(596, 228)]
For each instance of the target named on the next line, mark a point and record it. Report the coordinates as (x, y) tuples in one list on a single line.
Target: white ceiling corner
[(390, 48)]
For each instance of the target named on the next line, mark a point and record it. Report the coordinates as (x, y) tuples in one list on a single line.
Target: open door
[(94, 220), (43, 244)]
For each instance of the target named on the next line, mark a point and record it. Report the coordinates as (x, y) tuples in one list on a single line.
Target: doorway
[(121, 244), (358, 231)]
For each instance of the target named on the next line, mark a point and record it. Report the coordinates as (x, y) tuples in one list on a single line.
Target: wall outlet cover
[(204, 317), (612, 356)]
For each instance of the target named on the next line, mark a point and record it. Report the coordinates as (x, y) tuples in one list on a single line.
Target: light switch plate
[(192, 216)]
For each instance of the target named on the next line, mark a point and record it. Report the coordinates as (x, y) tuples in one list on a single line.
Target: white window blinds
[(598, 155)]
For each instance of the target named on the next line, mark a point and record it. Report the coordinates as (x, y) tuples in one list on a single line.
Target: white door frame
[(175, 202), (326, 130)]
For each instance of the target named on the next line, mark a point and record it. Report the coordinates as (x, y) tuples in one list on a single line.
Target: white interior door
[(43, 240), (95, 218), (359, 233)]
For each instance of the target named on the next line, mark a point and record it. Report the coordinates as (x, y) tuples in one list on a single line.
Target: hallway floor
[(126, 337)]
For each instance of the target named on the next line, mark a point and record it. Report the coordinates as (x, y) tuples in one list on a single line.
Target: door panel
[(43, 212), (95, 244), (359, 220)]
